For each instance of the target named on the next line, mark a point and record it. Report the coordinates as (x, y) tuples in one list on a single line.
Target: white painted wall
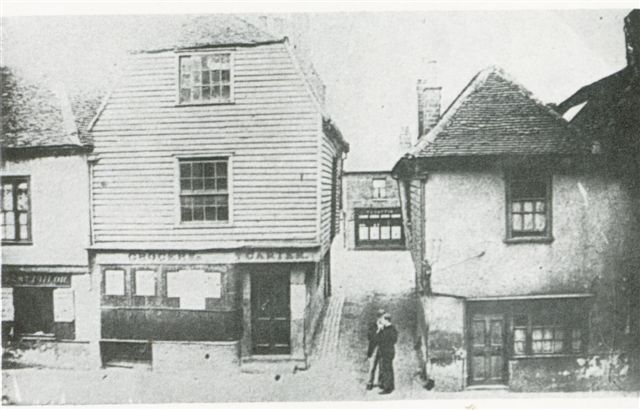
[(465, 229), (59, 211)]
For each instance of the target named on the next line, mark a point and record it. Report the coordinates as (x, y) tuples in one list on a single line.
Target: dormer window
[(206, 78)]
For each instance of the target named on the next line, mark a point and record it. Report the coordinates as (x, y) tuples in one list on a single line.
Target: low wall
[(571, 374), (444, 318), (181, 356), (50, 354)]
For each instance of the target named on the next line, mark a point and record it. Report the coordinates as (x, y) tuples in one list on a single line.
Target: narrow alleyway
[(363, 282)]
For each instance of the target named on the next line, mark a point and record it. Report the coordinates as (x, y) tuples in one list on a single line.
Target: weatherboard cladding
[(273, 131), (495, 116)]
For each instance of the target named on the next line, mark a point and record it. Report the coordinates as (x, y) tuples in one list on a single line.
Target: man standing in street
[(386, 338), (372, 349)]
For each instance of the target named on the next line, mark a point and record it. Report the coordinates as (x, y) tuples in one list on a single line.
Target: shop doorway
[(487, 362), (270, 299), (33, 308)]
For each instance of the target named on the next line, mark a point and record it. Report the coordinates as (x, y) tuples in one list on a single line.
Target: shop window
[(114, 282), (539, 334), (204, 190), (206, 78), (547, 339), (145, 283), (528, 205), (16, 214), (194, 287), (379, 227)]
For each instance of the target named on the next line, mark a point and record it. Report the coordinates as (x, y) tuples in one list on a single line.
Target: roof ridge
[(68, 117), (247, 22), (426, 140), (546, 108)]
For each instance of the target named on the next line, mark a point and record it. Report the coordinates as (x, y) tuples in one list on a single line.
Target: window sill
[(231, 102), (203, 225), (528, 239), (546, 356), (24, 243), (380, 248)]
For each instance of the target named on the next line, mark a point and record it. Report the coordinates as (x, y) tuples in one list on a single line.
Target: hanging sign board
[(7, 304)]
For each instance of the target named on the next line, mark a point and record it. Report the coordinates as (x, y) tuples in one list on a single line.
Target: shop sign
[(262, 256), (37, 279), (164, 257)]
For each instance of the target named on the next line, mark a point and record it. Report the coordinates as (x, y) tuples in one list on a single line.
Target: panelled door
[(271, 329), (487, 364)]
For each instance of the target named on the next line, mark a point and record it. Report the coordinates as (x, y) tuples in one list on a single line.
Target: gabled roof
[(494, 115), (174, 32), (37, 113)]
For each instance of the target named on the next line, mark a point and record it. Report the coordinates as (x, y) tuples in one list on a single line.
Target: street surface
[(363, 281)]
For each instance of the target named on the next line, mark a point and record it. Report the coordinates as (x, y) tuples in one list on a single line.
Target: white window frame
[(199, 53), (178, 223), (382, 190)]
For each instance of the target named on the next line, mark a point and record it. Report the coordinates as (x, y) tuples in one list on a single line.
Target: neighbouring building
[(608, 112), (49, 300), (519, 229), (214, 200), (372, 217)]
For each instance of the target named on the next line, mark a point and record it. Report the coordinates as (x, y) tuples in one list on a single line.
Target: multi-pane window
[(379, 188), (378, 226), (537, 335), (547, 339), (528, 207), (205, 78), (16, 216), (204, 192)]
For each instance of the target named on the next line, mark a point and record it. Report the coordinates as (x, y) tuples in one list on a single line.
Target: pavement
[(363, 281)]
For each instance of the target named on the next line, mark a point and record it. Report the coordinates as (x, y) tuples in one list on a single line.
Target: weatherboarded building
[(49, 309), (520, 232), (214, 200)]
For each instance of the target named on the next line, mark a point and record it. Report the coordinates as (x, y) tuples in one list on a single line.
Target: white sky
[(370, 61)]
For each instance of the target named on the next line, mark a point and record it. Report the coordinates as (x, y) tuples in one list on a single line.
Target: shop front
[(46, 315), (182, 309)]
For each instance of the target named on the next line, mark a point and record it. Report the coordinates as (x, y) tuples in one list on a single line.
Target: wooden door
[(271, 329), (487, 363)]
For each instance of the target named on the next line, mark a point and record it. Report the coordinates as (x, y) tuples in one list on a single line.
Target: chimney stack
[(429, 92), (405, 140)]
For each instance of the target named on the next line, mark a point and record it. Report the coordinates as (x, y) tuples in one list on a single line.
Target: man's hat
[(387, 316), (381, 312)]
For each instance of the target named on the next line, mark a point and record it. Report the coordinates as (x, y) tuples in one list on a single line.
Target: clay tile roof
[(33, 115), (164, 32), (494, 115)]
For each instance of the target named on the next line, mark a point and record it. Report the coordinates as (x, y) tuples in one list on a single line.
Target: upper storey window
[(16, 216), (206, 78), (528, 205), (379, 188)]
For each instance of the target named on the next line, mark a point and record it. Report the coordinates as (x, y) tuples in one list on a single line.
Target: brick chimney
[(428, 100), (632, 39), (404, 140)]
